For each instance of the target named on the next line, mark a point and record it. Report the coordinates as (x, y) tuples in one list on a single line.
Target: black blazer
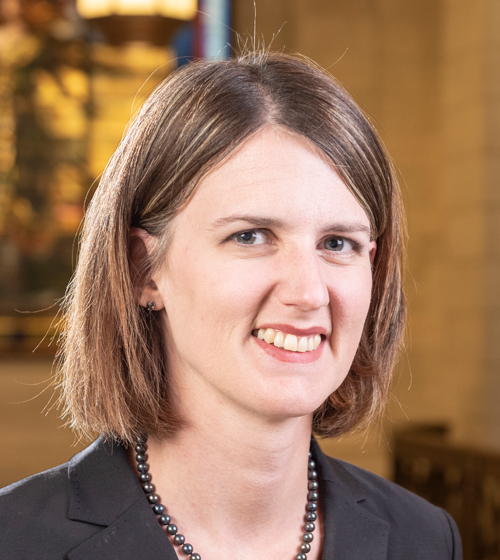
[(94, 508)]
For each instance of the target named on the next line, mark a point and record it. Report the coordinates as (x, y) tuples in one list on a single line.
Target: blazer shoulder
[(35, 521), (39, 488), (376, 487), (409, 516)]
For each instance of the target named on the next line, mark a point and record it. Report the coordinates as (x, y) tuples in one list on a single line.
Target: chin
[(292, 406)]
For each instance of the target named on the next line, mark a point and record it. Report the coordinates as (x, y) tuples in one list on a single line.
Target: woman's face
[(271, 239)]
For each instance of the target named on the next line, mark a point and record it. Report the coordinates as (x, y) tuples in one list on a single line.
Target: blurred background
[(427, 72)]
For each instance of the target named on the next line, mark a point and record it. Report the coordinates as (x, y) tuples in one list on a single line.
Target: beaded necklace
[(179, 540)]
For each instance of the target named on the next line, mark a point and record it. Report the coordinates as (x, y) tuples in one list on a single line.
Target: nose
[(301, 281)]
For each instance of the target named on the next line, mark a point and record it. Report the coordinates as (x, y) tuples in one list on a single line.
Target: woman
[(238, 288)]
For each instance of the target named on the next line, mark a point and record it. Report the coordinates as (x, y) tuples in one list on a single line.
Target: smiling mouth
[(288, 341)]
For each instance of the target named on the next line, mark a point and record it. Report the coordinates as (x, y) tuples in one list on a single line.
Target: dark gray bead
[(307, 537), (171, 529), (145, 477), (140, 448), (179, 539), (312, 485), (187, 548), (309, 527), (311, 465), (312, 475), (305, 547), (309, 455), (312, 506), (158, 509), (148, 487), (153, 498), (313, 495), (195, 556), (311, 516), (301, 557), (141, 457), (165, 519), (142, 467)]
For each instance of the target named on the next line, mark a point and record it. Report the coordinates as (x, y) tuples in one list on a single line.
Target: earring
[(150, 305)]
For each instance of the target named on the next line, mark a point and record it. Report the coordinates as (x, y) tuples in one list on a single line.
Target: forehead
[(277, 174)]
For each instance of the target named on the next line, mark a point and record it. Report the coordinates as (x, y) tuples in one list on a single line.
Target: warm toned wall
[(428, 73), (33, 438), (491, 151)]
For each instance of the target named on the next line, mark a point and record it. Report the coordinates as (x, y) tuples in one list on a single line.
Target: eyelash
[(356, 247)]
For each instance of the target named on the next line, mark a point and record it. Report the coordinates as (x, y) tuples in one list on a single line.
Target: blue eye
[(341, 245), (249, 237), (246, 237), (334, 244)]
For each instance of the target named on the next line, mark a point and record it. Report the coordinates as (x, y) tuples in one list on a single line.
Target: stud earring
[(150, 305)]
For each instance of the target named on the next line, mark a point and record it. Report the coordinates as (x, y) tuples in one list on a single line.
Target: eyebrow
[(261, 221)]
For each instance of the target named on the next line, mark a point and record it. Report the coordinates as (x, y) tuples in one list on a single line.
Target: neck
[(235, 476), (243, 459)]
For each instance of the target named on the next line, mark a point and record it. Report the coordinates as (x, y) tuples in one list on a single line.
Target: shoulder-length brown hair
[(112, 368)]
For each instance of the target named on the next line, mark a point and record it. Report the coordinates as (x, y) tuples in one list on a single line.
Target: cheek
[(350, 302), (213, 297)]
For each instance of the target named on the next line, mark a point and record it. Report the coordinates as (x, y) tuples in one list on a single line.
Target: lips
[(288, 341), (297, 355)]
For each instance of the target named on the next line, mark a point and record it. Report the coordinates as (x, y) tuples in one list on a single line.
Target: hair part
[(112, 359)]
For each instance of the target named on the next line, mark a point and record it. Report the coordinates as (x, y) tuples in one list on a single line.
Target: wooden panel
[(465, 481)]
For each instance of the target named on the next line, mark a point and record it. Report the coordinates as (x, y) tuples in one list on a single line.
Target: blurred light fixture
[(152, 21), (177, 9)]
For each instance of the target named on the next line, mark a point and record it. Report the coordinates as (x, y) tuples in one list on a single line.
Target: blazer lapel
[(133, 535), (104, 491), (351, 532), (354, 533)]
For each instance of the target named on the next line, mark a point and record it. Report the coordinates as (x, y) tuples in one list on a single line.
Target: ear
[(141, 245), (373, 251)]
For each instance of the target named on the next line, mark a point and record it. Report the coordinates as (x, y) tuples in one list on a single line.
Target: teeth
[(302, 347), (279, 340), (289, 341), (269, 335), (317, 340)]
